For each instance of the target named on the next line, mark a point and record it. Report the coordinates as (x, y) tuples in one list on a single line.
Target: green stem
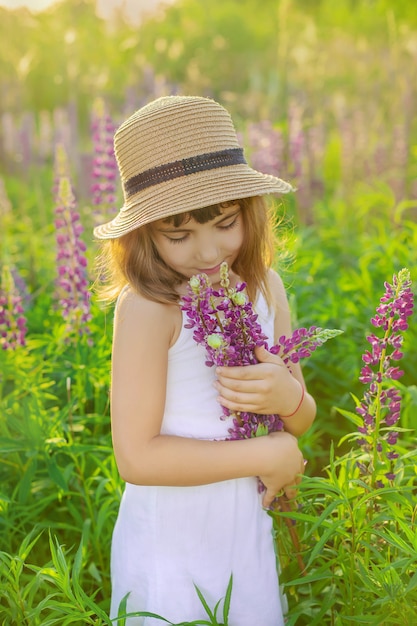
[(378, 410), (285, 506)]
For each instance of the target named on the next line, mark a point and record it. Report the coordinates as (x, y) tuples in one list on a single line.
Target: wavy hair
[(133, 258)]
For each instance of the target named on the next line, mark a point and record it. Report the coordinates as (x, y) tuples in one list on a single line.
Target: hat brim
[(189, 193)]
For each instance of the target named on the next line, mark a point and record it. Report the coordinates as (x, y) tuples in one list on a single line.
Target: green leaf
[(227, 598), (204, 603)]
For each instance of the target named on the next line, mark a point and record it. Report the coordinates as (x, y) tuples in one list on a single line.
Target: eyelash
[(228, 227)]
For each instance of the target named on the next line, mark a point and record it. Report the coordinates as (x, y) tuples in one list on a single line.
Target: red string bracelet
[(303, 391)]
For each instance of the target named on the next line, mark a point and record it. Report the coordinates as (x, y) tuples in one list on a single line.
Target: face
[(194, 248)]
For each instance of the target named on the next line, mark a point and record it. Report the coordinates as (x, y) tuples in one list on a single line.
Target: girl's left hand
[(266, 388)]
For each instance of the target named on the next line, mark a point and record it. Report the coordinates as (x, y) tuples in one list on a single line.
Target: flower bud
[(215, 341)]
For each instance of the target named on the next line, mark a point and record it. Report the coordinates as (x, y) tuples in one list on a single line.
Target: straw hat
[(177, 154)]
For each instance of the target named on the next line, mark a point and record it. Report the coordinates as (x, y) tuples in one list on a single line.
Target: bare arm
[(269, 387), (142, 335)]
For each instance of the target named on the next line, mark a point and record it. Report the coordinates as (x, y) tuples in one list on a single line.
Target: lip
[(210, 270)]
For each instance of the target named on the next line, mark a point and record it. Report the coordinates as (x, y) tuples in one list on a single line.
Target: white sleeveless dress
[(168, 539)]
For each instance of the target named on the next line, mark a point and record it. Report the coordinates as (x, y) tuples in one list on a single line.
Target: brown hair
[(133, 258)]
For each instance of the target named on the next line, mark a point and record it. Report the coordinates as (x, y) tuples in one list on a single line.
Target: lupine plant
[(357, 525), (103, 188), (72, 282), (267, 147), (381, 403), (12, 317)]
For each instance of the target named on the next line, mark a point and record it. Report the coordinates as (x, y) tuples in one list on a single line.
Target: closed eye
[(177, 239), (222, 225), (229, 225)]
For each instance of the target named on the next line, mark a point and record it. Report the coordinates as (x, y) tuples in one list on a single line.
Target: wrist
[(297, 407), (276, 445)]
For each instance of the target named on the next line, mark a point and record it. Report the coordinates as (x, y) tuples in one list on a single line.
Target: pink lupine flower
[(12, 318), (103, 188), (72, 282), (296, 141), (267, 148), (5, 204), (381, 403)]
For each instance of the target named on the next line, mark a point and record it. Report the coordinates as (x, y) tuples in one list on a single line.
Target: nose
[(207, 250)]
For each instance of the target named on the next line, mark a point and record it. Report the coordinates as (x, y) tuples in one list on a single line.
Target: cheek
[(236, 237), (162, 249), (174, 255), (167, 253)]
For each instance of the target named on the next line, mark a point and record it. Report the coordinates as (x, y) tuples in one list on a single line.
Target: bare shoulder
[(282, 323), (137, 315), (278, 293)]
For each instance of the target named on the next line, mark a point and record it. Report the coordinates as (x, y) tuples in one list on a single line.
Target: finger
[(290, 492), (229, 385), (240, 377), (268, 498), (251, 401), (247, 407), (264, 356), (246, 372)]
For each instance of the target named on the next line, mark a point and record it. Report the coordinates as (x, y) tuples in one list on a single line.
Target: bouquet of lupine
[(226, 324)]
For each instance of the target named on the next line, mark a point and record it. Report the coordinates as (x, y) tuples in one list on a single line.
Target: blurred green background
[(324, 94), (336, 78)]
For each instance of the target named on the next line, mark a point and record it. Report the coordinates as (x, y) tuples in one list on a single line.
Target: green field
[(324, 94)]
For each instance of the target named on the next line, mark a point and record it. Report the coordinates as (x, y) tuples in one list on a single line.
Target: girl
[(191, 514)]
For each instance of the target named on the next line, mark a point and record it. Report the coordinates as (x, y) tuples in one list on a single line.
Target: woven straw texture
[(168, 130)]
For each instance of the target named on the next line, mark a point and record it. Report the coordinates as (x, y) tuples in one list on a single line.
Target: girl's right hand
[(286, 467)]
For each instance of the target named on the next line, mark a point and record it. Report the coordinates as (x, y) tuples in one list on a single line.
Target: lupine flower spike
[(104, 173), (12, 319), (267, 148), (72, 282), (380, 405), (61, 166)]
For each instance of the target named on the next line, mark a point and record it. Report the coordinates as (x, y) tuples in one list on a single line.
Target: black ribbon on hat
[(184, 167)]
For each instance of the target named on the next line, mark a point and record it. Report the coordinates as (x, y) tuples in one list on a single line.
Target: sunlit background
[(323, 94), (133, 9)]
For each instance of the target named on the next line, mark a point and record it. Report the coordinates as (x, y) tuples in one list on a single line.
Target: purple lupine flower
[(103, 188), (224, 322), (296, 141), (45, 136), (266, 144), (72, 282), (61, 167), (9, 133), (21, 287), (302, 343), (12, 319), (381, 403), (27, 140), (5, 204)]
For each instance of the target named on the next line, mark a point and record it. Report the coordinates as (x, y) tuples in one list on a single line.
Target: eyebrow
[(180, 229)]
